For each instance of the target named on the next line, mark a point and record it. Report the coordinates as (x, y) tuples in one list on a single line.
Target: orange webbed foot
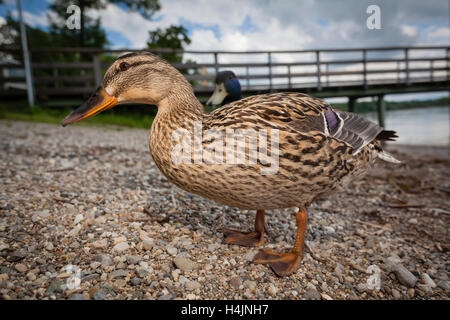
[(282, 264), (246, 239)]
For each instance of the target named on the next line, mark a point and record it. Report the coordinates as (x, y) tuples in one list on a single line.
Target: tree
[(91, 34), (174, 37)]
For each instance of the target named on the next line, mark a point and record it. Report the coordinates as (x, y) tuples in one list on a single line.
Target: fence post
[(448, 64), (407, 65), (97, 70), (26, 58), (381, 110), (319, 84), (216, 62), (289, 77), (327, 69), (365, 68), (269, 60), (248, 80)]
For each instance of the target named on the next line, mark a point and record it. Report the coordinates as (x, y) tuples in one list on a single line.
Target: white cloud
[(33, 19), (443, 33), (408, 30)]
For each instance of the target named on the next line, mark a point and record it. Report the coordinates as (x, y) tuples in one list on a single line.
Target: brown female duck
[(305, 148)]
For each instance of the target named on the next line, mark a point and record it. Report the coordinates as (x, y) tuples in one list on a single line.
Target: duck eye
[(124, 66)]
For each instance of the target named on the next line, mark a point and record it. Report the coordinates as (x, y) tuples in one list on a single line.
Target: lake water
[(427, 126)]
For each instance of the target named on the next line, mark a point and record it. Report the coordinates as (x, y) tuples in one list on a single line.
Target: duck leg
[(248, 239), (286, 263)]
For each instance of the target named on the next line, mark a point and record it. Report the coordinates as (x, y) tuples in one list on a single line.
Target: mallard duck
[(313, 148), (227, 89)]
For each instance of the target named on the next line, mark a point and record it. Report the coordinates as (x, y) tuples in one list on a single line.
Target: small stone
[(190, 296), (251, 285), (21, 267), (312, 293), (249, 256), (410, 293), (104, 259), (49, 246), (54, 287), (119, 273), (428, 281), (120, 283), (77, 296), (182, 280), (134, 259), (101, 244), (100, 295), (329, 230), (235, 282), (396, 294), (361, 287), (172, 251), (136, 281), (78, 218), (121, 246), (184, 264), (413, 221), (404, 276), (95, 265), (147, 244), (119, 240), (192, 285), (272, 290)]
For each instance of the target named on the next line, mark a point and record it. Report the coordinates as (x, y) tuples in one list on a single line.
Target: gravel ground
[(85, 214)]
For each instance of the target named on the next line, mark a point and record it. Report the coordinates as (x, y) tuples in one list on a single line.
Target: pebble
[(119, 273), (135, 259), (172, 251), (104, 259), (396, 294), (78, 218), (121, 246), (404, 276), (21, 267), (100, 244), (428, 281), (147, 244), (410, 293), (100, 295), (192, 285), (77, 296), (235, 282), (250, 284), (272, 290), (312, 293), (361, 287), (184, 264), (136, 281)]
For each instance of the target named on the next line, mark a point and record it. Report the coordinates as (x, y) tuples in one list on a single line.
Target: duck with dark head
[(227, 89), (318, 148)]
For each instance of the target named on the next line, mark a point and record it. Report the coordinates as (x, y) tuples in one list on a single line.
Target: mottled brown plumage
[(319, 149)]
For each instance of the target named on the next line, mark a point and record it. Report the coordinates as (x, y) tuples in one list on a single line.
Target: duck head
[(139, 77), (228, 89)]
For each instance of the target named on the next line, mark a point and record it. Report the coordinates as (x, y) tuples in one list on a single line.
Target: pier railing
[(258, 71)]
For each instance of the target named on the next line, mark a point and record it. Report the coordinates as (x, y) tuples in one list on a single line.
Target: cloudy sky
[(269, 24)]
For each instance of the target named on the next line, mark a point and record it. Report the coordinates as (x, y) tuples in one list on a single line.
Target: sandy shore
[(85, 214)]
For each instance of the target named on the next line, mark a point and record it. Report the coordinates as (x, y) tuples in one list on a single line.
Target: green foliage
[(174, 37), (134, 117)]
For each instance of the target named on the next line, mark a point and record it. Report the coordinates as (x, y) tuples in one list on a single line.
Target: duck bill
[(218, 95), (99, 101)]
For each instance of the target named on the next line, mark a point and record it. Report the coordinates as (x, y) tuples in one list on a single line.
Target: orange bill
[(99, 101)]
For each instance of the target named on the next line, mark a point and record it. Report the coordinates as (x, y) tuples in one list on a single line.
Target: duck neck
[(178, 110)]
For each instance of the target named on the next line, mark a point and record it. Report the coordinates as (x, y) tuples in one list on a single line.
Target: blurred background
[(389, 62)]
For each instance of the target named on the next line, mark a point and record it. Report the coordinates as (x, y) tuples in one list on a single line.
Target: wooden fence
[(258, 71)]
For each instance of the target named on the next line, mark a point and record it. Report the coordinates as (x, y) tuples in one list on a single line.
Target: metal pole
[(26, 57)]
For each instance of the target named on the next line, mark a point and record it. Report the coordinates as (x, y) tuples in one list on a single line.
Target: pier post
[(351, 104), (381, 110)]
